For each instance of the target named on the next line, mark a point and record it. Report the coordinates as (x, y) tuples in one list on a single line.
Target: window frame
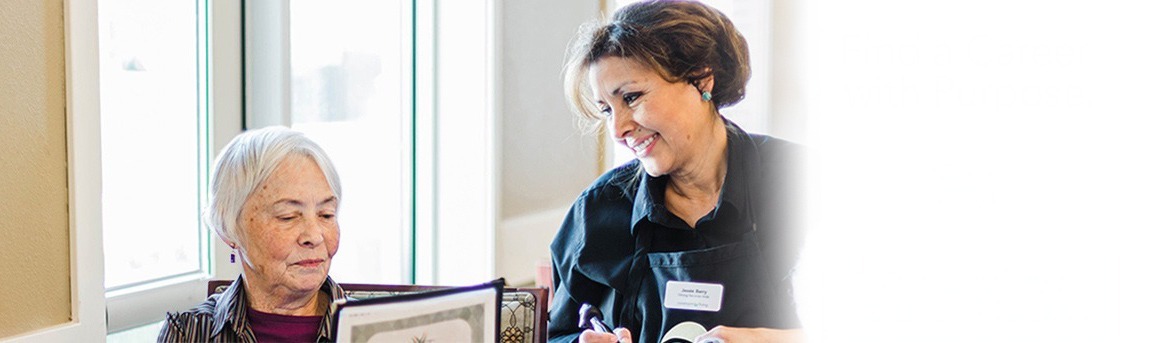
[(469, 214), (220, 108), (462, 108), (266, 76), (454, 207)]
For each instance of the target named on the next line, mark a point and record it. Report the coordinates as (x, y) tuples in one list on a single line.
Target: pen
[(590, 318)]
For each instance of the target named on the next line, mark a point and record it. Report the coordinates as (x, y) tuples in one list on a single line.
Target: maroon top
[(271, 327)]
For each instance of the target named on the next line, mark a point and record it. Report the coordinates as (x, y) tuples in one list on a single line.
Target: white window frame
[(456, 145), (467, 149), (267, 91), (465, 237), (136, 306)]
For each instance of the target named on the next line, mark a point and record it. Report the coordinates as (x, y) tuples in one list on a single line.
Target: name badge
[(696, 296)]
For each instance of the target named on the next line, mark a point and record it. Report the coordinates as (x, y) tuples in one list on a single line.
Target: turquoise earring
[(706, 96)]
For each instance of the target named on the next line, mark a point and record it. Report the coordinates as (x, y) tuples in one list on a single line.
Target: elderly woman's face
[(658, 120), (290, 228)]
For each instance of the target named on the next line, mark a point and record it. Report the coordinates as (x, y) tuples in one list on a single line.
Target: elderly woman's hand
[(724, 334), (621, 335)]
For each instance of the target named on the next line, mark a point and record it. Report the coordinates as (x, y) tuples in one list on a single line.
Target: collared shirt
[(224, 317), (725, 224), (594, 249)]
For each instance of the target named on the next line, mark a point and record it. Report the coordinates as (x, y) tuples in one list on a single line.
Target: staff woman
[(274, 201), (698, 227)]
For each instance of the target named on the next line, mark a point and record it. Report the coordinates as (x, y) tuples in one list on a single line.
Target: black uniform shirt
[(723, 225), (593, 251)]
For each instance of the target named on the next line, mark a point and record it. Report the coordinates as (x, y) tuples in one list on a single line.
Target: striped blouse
[(224, 318)]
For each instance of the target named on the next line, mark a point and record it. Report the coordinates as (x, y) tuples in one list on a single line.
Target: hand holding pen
[(596, 330)]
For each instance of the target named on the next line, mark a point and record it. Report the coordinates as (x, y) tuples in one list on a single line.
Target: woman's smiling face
[(660, 121)]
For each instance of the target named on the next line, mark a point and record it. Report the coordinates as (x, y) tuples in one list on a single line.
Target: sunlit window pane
[(150, 145), (347, 85)]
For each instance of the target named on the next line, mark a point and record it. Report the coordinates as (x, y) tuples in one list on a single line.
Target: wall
[(785, 78), (546, 159), (34, 219)]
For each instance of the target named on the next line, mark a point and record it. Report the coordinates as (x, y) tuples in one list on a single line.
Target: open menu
[(460, 314)]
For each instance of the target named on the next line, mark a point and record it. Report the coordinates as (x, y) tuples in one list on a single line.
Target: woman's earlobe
[(706, 85), (232, 258)]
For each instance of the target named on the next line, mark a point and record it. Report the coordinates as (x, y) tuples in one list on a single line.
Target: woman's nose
[(621, 123), (313, 234)]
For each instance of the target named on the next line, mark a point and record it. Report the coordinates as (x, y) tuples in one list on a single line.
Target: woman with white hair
[(274, 201)]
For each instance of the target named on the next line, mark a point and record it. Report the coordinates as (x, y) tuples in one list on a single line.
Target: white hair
[(245, 163)]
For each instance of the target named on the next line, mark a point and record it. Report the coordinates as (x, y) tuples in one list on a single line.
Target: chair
[(523, 312)]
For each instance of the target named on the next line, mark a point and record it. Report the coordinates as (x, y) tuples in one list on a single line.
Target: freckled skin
[(290, 235)]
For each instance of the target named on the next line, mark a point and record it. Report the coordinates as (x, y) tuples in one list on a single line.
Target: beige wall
[(547, 159), (34, 218)]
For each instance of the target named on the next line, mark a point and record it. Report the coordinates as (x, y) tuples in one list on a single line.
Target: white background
[(991, 171)]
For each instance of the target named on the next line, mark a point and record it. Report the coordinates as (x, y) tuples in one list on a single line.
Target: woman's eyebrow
[(619, 87), (289, 201), (617, 90)]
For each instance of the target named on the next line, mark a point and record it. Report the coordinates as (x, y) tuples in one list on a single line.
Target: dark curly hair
[(683, 41)]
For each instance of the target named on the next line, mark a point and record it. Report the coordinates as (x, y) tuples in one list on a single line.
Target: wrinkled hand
[(621, 335), (724, 334)]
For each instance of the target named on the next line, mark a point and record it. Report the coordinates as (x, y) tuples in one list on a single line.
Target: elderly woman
[(696, 228), (274, 201)]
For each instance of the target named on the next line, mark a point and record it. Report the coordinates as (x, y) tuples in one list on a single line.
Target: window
[(350, 92), (150, 94), (366, 80), (154, 155), (340, 72), (344, 73)]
